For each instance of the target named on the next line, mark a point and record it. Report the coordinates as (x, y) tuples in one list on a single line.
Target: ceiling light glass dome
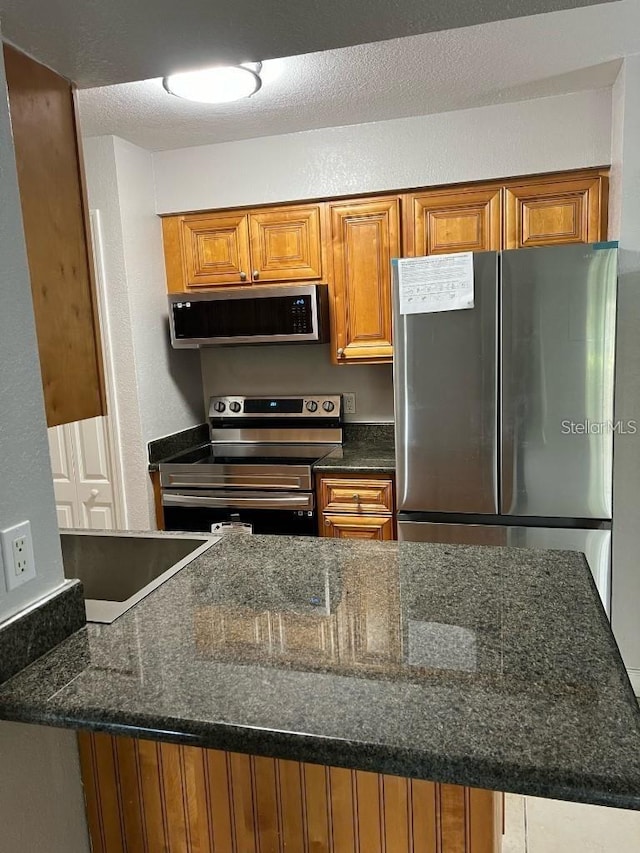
[(218, 85)]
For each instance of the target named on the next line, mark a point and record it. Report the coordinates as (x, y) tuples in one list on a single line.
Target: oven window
[(280, 521)]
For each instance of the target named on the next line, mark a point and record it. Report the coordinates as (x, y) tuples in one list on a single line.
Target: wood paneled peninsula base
[(146, 797)]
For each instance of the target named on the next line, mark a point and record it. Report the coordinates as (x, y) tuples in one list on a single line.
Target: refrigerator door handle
[(505, 423)]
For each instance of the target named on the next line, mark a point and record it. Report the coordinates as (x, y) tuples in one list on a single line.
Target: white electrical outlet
[(17, 554), (349, 403)]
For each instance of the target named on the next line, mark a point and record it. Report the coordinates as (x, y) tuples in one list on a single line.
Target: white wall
[(295, 370), (542, 135), (169, 381), (158, 390), (626, 215), (43, 764), (549, 134), (26, 487)]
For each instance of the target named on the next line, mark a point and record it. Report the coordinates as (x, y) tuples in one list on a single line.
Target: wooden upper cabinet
[(460, 220), (56, 229), (555, 211), (285, 243), (242, 247), (212, 250), (365, 236)]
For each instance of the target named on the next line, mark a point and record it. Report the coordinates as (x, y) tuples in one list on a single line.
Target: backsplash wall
[(296, 369)]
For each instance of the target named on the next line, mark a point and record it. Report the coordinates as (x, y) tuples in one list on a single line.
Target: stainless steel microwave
[(262, 314)]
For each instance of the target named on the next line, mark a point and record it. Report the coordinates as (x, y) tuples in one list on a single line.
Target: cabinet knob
[(356, 498), (94, 493), (256, 275), (243, 276), (327, 523), (340, 352)]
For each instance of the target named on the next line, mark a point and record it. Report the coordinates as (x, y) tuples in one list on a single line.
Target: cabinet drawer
[(357, 526), (356, 496)]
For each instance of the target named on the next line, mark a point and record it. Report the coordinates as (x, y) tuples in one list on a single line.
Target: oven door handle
[(304, 502)]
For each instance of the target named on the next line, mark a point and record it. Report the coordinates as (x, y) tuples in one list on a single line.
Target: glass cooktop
[(253, 454)]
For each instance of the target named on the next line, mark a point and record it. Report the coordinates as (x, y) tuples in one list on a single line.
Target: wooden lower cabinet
[(357, 527), (157, 499), (356, 507), (148, 797)]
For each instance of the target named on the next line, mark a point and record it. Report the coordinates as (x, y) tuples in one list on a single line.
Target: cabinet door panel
[(357, 527), (554, 212), (216, 249), (365, 237), (447, 221), (357, 496), (53, 203), (285, 244)]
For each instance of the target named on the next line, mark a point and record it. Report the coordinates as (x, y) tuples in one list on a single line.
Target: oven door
[(266, 512)]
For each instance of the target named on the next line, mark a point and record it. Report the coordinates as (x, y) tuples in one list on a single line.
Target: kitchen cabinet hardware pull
[(327, 522), (243, 276), (356, 498), (340, 352), (256, 274)]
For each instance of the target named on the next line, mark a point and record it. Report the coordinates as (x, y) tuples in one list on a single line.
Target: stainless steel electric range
[(257, 468)]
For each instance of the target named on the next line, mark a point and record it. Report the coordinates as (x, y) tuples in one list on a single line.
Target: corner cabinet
[(356, 507), (277, 244), (365, 236), (556, 211)]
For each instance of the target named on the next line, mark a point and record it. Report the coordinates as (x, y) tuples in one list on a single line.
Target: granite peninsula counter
[(493, 668)]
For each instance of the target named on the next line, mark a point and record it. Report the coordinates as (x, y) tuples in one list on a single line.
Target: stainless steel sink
[(118, 570)]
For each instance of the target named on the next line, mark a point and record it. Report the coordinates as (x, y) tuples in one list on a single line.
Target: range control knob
[(219, 406), (235, 407), (328, 406), (312, 406)]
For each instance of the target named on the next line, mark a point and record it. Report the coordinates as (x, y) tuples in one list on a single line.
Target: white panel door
[(82, 475), (93, 473), (63, 477)]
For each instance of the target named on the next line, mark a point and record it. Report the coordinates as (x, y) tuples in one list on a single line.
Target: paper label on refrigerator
[(435, 283)]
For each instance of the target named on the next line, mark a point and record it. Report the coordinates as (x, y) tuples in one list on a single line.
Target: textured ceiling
[(436, 72), (100, 42)]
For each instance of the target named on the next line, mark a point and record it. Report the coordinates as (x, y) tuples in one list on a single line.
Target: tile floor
[(550, 826)]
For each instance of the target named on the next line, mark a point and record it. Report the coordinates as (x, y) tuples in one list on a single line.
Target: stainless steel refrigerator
[(504, 411)]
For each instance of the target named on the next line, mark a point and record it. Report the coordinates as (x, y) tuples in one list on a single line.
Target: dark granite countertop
[(359, 457), (165, 448), (489, 667), (367, 448)]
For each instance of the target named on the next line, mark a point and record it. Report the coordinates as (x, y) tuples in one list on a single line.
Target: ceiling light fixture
[(218, 85)]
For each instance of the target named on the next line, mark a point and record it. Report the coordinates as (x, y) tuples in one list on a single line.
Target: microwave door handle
[(229, 502)]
